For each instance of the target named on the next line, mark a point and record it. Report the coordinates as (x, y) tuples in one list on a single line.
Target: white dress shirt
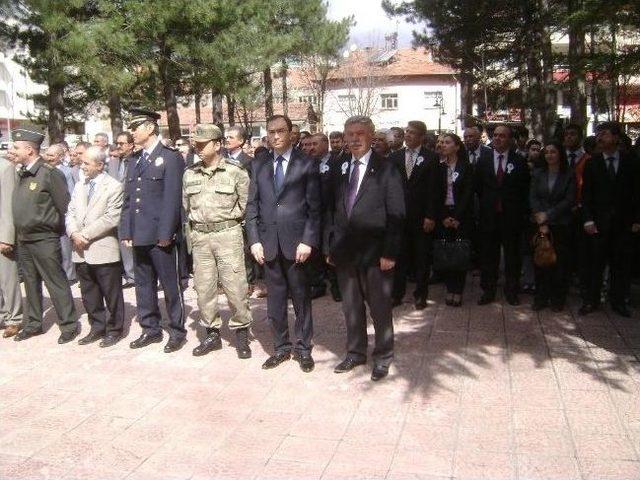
[(285, 164), (362, 165)]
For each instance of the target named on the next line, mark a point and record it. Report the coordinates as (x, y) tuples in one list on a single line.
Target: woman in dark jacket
[(454, 205), (552, 196)]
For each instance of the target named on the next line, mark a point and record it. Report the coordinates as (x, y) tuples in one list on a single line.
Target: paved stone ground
[(490, 392)]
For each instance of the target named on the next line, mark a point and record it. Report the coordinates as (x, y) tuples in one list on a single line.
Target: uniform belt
[(214, 227)]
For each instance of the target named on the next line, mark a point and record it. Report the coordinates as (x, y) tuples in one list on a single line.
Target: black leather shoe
[(335, 294), (379, 372), (486, 299), (146, 339), (421, 304), (621, 309), (209, 344), (347, 365), (587, 308), (174, 344), (306, 362), (109, 341), (242, 343), (26, 334), (275, 360), (66, 337), (93, 336), (512, 299)]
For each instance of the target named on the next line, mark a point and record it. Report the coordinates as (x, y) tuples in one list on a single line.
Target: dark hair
[(522, 131), (463, 156), (562, 163), (495, 127), (335, 134), (397, 129), (418, 125), (533, 141), (259, 150), (125, 134), (240, 132), (590, 143), (613, 127), (287, 120), (83, 144), (576, 128)]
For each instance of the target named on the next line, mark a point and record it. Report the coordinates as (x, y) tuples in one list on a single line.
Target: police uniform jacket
[(40, 202), (211, 195), (152, 197)]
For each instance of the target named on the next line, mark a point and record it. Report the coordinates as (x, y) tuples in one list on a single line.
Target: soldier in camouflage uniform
[(214, 196)]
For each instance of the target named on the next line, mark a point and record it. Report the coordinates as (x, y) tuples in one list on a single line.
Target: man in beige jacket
[(92, 221)]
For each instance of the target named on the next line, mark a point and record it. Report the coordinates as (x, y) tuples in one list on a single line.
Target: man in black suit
[(362, 240), (502, 185), (417, 167), (611, 210), (283, 226), (475, 148)]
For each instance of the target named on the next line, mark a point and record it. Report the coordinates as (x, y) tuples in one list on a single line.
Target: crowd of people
[(366, 212)]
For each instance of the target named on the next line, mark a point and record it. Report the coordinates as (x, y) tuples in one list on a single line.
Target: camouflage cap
[(205, 132), (27, 136)]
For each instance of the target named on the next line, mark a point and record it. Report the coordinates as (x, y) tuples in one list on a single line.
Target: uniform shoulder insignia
[(233, 161), (195, 166)]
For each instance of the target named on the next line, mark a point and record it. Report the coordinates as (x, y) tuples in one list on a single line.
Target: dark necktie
[(352, 188), (278, 178), (500, 169), (142, 163), (22, 172), (572, 160), (473, 158), (611, 167)]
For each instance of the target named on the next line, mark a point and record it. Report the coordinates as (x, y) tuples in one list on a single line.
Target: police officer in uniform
[(40, 202), (214, 197), (150, 221)]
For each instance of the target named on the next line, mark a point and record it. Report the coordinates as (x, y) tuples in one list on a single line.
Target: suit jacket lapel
[(369, 172), (288, 174), (152, 157)]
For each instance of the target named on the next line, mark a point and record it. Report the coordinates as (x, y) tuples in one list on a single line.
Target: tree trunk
[(231, 110), (549, 98), (594, 80), (55, 125), (115, 114), (285, 93), (216, 108), (466, 95), (197, 98), (167, 77), (577, 78), (268, 92)]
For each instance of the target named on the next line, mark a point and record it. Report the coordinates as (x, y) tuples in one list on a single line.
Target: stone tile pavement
[(493, 392)]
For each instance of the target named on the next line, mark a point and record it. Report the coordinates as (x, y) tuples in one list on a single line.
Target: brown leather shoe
[(11, 330)]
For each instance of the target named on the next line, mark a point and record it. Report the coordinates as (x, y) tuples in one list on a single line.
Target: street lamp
[(439, 104)]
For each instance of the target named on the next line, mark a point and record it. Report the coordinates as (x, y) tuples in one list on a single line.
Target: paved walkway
[(490, 392)]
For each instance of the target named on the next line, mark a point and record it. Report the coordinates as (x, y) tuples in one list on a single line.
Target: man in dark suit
[(283, 226), (234, 138), (150, 221), (611, 210), (363, 241), (502, 185), (418, 169)]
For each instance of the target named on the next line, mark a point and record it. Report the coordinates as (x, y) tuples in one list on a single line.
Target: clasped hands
[(302, 252)]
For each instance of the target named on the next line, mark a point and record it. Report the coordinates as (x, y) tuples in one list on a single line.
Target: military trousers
[(10, 296), (219, 257), (41, 260)]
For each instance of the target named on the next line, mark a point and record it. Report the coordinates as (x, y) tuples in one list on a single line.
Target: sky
[(372, 23)]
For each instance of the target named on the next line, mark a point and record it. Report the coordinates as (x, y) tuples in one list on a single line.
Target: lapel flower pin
[(419, 160), (454, 176), (324, 168), (159, 161), (345, 166), (509, 167)]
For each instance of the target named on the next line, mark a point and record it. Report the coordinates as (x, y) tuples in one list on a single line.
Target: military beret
[(205, 132), (141, 115), (27, 136)]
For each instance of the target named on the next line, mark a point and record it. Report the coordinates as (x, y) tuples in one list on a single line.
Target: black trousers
[(284, 277), (614, 247), (40, 261), (552, 283), (370, 286), (416, 254), (507, 237), (153, 263), (577, 260), (454, 280), (100, 284)]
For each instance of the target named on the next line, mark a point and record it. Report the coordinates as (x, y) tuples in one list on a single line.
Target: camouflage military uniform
[(214, 200)]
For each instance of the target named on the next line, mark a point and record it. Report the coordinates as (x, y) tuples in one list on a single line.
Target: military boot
[(242, 343), (211, 342)]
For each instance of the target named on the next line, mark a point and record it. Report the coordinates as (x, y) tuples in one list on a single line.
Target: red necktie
[(499, 177)]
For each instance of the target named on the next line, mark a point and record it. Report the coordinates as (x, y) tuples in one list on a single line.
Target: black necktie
[(278, 178), (611, 168), (572, 159)]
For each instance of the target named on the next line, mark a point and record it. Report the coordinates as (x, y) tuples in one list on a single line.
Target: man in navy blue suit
[(149, 222), (283, 226)]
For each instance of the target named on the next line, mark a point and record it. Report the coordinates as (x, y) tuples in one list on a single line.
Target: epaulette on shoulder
[(233, 161)]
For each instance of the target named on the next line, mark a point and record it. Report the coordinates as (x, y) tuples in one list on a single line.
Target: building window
[(346, 100), (389, 101), (433, 100), (311, 99)]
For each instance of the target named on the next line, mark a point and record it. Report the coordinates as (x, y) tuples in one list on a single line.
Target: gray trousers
[(372, 287), (10, 296), (67, 265), (127, 262)]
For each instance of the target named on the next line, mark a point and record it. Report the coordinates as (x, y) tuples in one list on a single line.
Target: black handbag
[(452, 254)]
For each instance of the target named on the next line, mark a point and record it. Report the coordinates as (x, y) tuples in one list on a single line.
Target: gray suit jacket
[(7, 185), (558, 201), (96, 220)]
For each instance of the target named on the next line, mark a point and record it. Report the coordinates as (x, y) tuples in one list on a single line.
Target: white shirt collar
[(579, 152), (615, 155), (286, 155), (28, 167), (153, 147), (364, 160), (235, 154), (98, 180), (326, 158)]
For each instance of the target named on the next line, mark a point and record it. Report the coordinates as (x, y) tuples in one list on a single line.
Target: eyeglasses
[(122, 143)]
